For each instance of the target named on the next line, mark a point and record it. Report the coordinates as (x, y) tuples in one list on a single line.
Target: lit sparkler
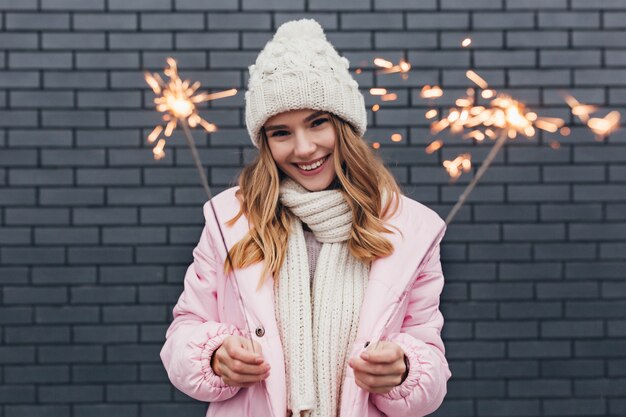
[(177, 100)]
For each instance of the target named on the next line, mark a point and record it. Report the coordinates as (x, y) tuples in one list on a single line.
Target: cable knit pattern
[(300, 69), (318, 327)]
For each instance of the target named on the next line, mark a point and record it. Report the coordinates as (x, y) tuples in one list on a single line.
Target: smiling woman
[(301, 142), (328, 254)]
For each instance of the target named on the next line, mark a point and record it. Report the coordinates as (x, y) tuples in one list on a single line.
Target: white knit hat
[(300, 69)]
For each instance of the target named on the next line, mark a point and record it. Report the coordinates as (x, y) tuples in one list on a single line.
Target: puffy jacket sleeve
[(195, 332), (425, 387)]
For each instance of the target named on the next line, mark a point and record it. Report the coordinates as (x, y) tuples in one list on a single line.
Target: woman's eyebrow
[(309, 118)]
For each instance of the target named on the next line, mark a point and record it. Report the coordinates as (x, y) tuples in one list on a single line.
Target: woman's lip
[(310, 163)]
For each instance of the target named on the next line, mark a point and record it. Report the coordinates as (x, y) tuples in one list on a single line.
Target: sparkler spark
[(600, 126), (176, 99)]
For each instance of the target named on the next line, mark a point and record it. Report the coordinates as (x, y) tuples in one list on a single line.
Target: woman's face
[(299, 140)]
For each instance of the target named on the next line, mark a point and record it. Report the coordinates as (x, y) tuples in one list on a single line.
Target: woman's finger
[(237, 351), (243, 368)]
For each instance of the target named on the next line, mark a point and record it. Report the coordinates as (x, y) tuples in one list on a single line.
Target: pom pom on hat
[(300, 69), (306, 28)]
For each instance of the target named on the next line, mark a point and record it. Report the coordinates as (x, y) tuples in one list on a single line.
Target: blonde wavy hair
[(362, 178)]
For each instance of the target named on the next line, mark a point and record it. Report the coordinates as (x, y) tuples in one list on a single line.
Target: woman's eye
[(314, 124), (319, 120)]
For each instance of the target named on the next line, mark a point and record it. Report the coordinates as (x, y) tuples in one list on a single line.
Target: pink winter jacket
[(401, 304)]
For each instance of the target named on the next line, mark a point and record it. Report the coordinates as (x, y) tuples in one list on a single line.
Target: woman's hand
[(236, 363), (378, 371)]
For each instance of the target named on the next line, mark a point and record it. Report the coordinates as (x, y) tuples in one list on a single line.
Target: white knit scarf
[(318, 326)]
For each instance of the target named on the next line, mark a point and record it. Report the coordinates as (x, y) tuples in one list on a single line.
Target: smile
[(313, 168)]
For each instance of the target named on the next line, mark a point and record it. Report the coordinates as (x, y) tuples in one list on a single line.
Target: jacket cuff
[(413, 354), (208, 349)]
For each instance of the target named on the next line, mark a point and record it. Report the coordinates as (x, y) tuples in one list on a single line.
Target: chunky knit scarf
[(318, 321)]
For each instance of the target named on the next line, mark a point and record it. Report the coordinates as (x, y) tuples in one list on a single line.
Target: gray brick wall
[(95, 235)]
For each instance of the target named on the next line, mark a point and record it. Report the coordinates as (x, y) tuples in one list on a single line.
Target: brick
[(405, 39), (502, 251), (72, 5), (40, 176), (16, 79), (107, 60), (505, 20), (74, 79), (147, 196), (100, 255), (17, 197), (70, 354), (41, 99), (565, 212), (241, 21), (601, 39), (140, 41), (72, 157), (565, 251), (164, 5), (67, 314), (72, 196), (73, 235), (109, 99), (19, 40), (32, 255), (72, 118), (597, 192), (18, 118), (133, 314), (187, 60), (130, 235), (108, 138), (439, 20), (64, 275), (594, 231), (508, 330), (530, 271), (73, 394), (599, 77), (370, 21), (574, 20), (137, 392), (480, 39), (32, 216), (111, 373), (105, 334), (578, 174), (73, 41), (38, 410), (36, 374), (15, 236), (204, 5), (40, 60), (537, 39), (105, 21), (471, 5), (105, 410), (438, 59), (535, 4), (37, 21), (541, 193), (213, 40), (533, 233), (170, 21), (504, 59), (102, 295), (41, 295), (108, 176), (131, 274), (23, 5), (37, 334), (506, 212)]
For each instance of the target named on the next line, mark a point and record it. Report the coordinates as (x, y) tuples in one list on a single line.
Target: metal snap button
[(260, 331)]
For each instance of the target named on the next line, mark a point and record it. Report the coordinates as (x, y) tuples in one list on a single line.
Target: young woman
[(327, 302)]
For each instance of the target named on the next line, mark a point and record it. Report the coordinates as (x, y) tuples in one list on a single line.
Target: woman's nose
[(304, 146)]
